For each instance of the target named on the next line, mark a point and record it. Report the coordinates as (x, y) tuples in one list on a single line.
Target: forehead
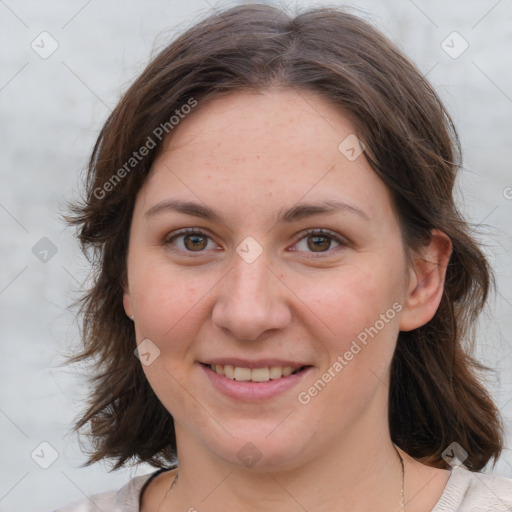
[(279, 145), (244, 123)]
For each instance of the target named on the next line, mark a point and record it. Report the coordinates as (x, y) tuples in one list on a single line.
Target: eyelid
[(322, 231), (341, 240), (186, 231)]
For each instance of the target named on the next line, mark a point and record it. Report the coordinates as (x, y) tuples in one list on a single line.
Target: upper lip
[(254, 363)]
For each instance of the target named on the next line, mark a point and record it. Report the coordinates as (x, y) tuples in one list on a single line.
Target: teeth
[(254, 374), (242, 373), (287, 370), (260, 374), (229, 371), (276, 372)]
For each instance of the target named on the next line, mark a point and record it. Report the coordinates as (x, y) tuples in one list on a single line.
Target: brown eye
[(189, 241), (195, 242), (319, 243)]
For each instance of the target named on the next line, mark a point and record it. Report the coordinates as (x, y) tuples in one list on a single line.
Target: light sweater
[(465, 491)]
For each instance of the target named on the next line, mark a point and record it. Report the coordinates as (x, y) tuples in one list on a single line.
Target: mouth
[(262, 374), (254, 381)]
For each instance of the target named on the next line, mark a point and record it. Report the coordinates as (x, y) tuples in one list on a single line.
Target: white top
[(465, 491)]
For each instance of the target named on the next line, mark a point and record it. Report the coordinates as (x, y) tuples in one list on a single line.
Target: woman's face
[(261, 244)]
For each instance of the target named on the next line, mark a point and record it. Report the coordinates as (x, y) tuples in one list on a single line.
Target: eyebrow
[(295, 213)]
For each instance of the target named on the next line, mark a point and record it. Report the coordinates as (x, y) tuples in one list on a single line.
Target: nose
[(251, 300)]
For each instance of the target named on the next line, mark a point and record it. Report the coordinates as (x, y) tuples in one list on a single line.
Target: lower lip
[(254, 391)]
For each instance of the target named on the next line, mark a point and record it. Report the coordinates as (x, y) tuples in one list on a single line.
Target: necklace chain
[(402, 490), (172, 484), (169, 490)]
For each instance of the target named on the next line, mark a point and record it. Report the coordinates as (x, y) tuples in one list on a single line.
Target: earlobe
[(127, 303), (427, 282)]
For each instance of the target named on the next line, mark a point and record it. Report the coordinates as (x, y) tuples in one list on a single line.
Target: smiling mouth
[(263, 374)]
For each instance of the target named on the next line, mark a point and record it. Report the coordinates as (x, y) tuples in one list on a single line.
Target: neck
[(336, 480)]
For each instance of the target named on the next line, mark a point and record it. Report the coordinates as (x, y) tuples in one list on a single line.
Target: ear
[(127, 301), (426, 283)]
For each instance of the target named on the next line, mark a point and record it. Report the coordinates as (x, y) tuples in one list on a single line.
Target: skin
[(250, 156)]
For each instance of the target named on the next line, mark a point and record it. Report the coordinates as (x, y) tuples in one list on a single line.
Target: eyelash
[(309, 232)]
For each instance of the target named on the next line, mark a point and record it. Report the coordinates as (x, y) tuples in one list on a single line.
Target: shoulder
[(468, 491), (125, 499)]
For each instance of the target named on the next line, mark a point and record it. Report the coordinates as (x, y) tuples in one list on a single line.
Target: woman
[(270, 214)]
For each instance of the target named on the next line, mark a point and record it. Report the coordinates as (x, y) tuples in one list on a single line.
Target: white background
[(52, 110)]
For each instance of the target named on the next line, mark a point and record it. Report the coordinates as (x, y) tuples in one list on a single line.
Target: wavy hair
[(435, 393)]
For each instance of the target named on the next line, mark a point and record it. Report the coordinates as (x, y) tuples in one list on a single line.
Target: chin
[(257, 450)]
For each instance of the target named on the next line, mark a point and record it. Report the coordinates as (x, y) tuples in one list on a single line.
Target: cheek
[(168, 306), (361, 309), (360, 305), (164, 299), (352, 299)]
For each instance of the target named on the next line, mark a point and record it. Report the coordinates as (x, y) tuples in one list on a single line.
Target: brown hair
[(435, 396)]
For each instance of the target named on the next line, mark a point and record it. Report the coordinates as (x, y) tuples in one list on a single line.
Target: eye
[(319, 241), (195, 240), (190, 240)]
